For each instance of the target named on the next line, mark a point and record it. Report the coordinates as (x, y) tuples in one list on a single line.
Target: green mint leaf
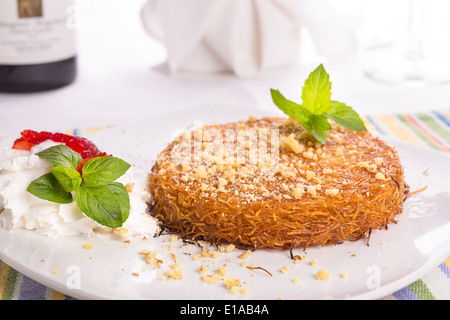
[(316, 92), (122, 197), (318, 126), (290, 108), (100, 204), (47, 187), (345, 116), (103, 170), (61, 155), (68, 178)]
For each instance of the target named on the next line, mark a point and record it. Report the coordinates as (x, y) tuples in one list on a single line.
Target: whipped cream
[(21, 209)]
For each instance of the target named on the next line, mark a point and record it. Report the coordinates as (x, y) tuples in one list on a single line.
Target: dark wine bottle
[(37, 45)]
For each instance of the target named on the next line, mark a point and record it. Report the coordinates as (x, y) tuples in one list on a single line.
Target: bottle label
[(36, 31)]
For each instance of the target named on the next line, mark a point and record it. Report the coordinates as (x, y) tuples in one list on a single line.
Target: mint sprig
[(97, 194), (317, 107)]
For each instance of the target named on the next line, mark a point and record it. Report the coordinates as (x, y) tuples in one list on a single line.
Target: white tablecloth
[(122, 78)]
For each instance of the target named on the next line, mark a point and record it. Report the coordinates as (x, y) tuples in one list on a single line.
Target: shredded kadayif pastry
[(267, 183)]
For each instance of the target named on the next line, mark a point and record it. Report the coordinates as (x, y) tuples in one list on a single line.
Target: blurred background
[(133, 63)]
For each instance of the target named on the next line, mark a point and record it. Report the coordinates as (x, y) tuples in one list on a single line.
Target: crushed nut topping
[(323, 274), (267, 159)]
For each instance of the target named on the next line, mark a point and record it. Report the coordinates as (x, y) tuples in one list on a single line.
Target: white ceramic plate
[(114, 269)]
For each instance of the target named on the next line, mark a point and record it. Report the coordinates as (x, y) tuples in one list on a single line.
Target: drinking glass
[(414, 66)]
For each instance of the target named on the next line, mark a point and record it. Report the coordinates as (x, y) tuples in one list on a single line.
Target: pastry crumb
[(211, 278), (175, 274), (229, 248), (323, 274), (234, 289), (245, 290), (232, 282), (245, 255), (222, 271)]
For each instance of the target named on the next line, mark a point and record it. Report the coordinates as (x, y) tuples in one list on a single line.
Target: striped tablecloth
[(430, 129)]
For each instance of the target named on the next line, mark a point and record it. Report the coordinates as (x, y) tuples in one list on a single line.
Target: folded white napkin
[(242, 36)]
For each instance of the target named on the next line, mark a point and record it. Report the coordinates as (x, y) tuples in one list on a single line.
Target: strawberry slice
[(81, 145), (23, 145)]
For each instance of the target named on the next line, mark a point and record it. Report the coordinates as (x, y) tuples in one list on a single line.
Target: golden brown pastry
[(267, 184)]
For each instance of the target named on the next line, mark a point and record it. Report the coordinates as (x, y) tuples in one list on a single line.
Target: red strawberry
[(81, 145)]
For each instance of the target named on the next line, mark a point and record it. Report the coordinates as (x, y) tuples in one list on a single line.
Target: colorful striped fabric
[(430, 129), (16, 286)]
